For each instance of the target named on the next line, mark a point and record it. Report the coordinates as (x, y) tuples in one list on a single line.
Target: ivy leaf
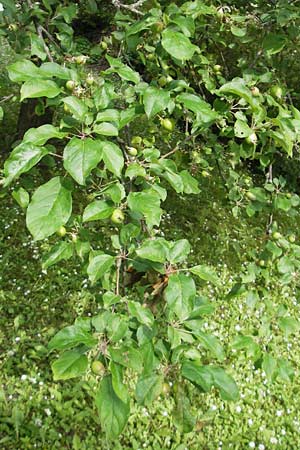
[(40, 135), (179, 295), (62, 250), (21, 160), (49, 209), (97, 210), (148, 388), (112, 157), (99, 265), (69, 365), (81, 156), (112, 410), (177, 45), (39, 88), (205, 273), (155, 100)]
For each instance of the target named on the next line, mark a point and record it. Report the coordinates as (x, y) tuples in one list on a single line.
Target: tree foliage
[(184, 91)]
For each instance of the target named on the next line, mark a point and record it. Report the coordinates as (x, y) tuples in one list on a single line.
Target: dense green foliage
[(185, 98)]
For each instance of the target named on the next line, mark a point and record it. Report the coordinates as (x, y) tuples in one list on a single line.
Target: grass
[(36, 412)]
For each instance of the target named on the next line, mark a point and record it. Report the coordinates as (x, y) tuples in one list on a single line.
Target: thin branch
[(39, 30), (132, 8)]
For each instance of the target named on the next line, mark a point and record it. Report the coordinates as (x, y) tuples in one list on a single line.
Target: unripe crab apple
[(71, 84), (167, 124), (117, 216), (276, 235), (136, 140), (132, 151), (276, 91), (98, 368), (255, 91), (61, 231), (251, 196), (252, 138)]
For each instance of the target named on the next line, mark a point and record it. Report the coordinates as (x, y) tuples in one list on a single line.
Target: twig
[(132, 8), (8, 97), (39, 30)]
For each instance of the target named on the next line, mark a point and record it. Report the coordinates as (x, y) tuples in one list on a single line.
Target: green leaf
[(242, 129), (116, 192), (51, 69), (127, 357), (37, 47), (21, 160), (112, 410), (238, 87), (205, 273), (69, 365), (179, 295), (21, 196), (97, 210), (204, 114), (23, 71), (125, 72), (112, 157), (105, 129), (49, 209), (177, 45), (135, 170), (156, 250), (109, 115), (99, 265), (269, 366), (77, 107), (225, 383), (155, 100), (117, 382), (81, 156), (70, 337), (39, 88), (208, 376), (40, 135), (179, 251), (274, 43), (147, 204), (148, 388), (1, 113), (61, 250), (190, 184), (211, 343), (198, 374), (183, 419), (143, 315), (288, 325)]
